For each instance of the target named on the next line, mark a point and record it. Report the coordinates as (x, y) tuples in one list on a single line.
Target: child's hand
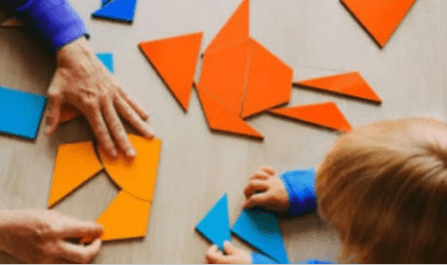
[(265, 189), (232, 255)]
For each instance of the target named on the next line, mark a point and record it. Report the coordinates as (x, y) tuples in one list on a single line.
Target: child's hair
[(384, 187)]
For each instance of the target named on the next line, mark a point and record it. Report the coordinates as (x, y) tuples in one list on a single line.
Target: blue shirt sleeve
[(300, 185), (55, 21), (316, 261), (257, 258)]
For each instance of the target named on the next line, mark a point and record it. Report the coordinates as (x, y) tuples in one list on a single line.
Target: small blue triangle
[(123, 10), (215, 226), (260, 229), (107, 60)]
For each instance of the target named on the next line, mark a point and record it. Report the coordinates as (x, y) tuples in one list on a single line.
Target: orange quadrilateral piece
[(348, 84), (269, 81), (75, 164), (237, 27), (224, 74), (175, 61), (379, 17), (69, 112), (221, 119), (324, 114), (126, 217), (137, 176)]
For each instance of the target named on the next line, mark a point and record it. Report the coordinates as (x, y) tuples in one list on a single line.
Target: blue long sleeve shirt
[(54, 21)]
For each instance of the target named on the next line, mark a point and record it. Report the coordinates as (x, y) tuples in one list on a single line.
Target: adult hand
[(265, 189), (39, 236), (83, 81), (232, 255)]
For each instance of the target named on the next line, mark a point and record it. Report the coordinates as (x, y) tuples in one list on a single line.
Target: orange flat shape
[(175, 61), (137, 176), (224, 74), (221, 119), (126, 217), (269, 81), (324, 114), (75, 164), (237, 27), (379, 17), (69, 112), (348, 84)]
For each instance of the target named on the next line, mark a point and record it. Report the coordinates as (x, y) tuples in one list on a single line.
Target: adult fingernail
[(131, 152)]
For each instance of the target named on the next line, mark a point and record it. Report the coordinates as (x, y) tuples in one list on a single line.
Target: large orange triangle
[(379, 17), (221, 119), (175, 61), (236, 28), (324, 114), (348, 84)]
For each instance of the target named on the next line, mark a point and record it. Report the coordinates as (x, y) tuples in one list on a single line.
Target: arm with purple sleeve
[(54, 21)]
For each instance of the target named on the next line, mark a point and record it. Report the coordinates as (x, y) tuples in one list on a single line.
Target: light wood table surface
[(315, 38)]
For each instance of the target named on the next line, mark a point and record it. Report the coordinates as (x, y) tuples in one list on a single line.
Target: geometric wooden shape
[(379, 17), (122, 10), (138, 175), (175, 60), (324, 114), (75, 164), (348, 84), (269, 81)]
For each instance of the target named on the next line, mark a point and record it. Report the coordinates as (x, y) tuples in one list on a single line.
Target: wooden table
[(315, 38)]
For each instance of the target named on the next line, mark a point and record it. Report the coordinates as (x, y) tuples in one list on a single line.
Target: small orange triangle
[(75, 164), (69, 112), (379, 17), (236, 28), (175, 61), (324, 114), (221, 119), (348, 84)]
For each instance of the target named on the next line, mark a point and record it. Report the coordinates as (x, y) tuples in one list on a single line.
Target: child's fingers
[(259, 175), (268, 170), (214, 255), (229, 248), (255, 186), (260, 199)]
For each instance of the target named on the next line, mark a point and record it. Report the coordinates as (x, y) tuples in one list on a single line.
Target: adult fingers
[(255, 186), (214, 255), (73, 228), (260, 175), (94, 117), (80, 253), (268, 170), (135, 105), (229, 248), (55, 100), (132, 117), (260, 199)]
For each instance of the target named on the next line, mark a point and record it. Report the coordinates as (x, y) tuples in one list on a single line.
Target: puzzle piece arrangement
[(128, 214), (257, 227), (120, 10)]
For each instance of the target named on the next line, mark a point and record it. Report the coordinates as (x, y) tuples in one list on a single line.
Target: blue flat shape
[(123, 10), (215, 226), (260, 229), (20, 112), (107, 60)]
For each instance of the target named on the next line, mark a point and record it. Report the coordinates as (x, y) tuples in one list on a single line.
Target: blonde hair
[(384, 187)]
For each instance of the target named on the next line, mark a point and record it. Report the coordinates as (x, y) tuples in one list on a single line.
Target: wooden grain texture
[(315, 38)]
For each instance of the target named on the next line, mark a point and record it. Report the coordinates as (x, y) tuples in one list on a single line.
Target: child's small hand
[(232, 255), (265, 189)]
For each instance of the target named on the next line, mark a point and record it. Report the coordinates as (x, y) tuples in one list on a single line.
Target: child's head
[(384, 187)]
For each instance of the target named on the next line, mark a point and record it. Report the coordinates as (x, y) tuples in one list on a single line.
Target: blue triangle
[(215, 226), (260, 229), (107, 60), (123, 10)]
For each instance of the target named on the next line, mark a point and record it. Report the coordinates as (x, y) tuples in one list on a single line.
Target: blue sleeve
[(300, 186), (257, 258), (55, 21), (316, 261)]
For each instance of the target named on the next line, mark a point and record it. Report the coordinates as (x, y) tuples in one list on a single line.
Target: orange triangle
[(75, 164), (175, 61), (379, 17), (137, 176), (221, 119), (237, 27), (126, 217), (269, 81), (324, 114), (69, 112), (348, 84)]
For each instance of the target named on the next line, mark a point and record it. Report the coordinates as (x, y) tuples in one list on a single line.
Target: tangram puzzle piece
[(221, 119), (175, 60), (69, 112), (348, 84), (324, 114), (215, 226), (126, 217), (21, 112), (261, 230), (136, 176), (122, 10), (11, 22), (75, 164), (379, 17)]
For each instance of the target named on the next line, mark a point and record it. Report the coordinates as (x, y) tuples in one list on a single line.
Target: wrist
[(74, 50)]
